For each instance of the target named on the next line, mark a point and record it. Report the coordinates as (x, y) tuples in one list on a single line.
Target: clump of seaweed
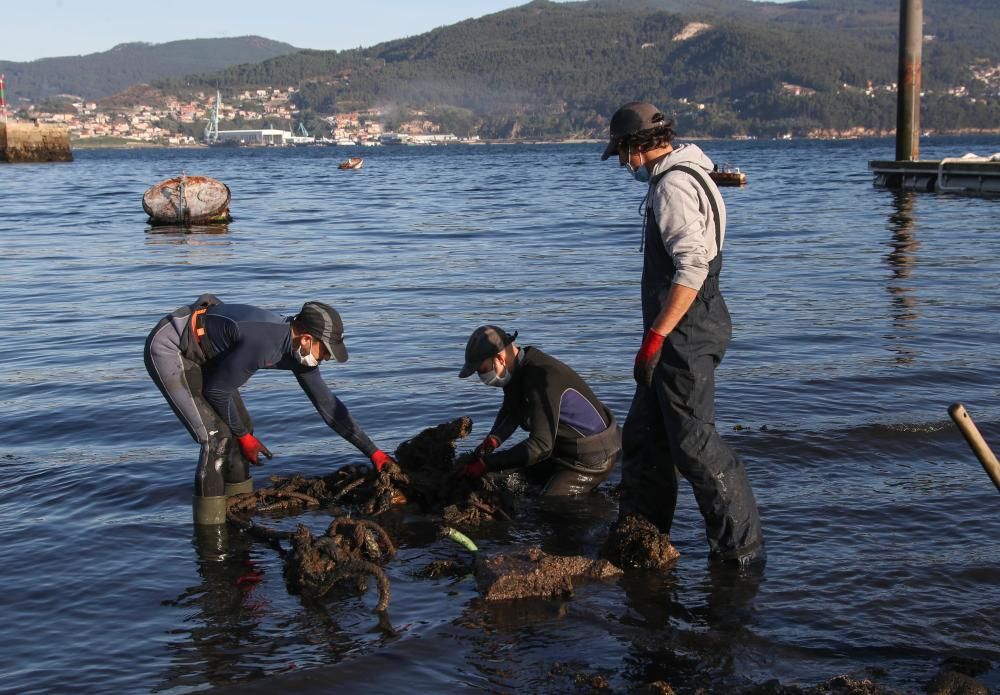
[(635, 542), (533, 573)]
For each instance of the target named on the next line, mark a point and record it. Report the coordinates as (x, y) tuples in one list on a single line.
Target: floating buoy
[(187, 200)]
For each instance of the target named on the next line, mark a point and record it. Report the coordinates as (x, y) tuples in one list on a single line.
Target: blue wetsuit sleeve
[(333, 411), (232, 371)]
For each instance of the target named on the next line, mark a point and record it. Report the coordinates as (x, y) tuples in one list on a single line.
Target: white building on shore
[(261, 136)]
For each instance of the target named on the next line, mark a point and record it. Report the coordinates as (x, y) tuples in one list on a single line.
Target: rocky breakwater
[(34, 142)]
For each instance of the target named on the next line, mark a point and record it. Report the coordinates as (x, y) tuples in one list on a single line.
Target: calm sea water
[(859, 314)]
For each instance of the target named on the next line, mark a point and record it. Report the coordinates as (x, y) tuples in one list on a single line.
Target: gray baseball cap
[(630, 120), (323, 323), (485, 341)]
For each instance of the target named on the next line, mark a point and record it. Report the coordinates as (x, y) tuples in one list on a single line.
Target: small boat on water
[(187, 200), (728, 176), (351, 163)]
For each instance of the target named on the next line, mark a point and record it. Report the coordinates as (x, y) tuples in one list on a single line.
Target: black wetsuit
[(573, 441), (200, 377)]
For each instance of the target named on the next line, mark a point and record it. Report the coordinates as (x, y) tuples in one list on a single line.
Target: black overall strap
[(708, 191)]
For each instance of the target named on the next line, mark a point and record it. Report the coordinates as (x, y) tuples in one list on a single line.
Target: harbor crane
[(212, 128)]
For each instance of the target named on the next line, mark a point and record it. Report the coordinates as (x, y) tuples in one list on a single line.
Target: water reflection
[(689, 635), (192, 229), (901, 259), (220, 633), (227, 637), (203, 241)]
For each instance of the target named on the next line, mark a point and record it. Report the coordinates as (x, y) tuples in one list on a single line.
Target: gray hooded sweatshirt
[(684, 215)]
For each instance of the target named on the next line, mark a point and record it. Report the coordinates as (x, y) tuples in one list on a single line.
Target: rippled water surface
[(859, 315)]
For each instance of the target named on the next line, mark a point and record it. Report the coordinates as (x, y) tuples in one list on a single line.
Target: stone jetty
[(34, 142)]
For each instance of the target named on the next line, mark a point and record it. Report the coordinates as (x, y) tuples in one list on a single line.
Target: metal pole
[(911, 34), (976, 442)]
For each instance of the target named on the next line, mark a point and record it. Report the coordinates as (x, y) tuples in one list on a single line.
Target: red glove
[(647, 357), (488, 446), (475, 469), (380, 458), (252, 448)]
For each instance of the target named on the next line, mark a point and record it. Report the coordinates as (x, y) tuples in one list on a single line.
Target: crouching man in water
[(201, 354), (671, 424), (573, 440)]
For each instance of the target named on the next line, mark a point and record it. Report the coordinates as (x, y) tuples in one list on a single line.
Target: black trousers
[(559, 480), (671, 427), (178, 373)]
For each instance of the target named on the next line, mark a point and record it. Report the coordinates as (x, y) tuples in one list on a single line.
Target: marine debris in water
[(635, 542), (354, 549), (433, 482), (427, 475), (532, 573), (351, 549), (424, 476)]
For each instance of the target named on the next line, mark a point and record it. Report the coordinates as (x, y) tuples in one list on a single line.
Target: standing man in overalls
[(671, 424)]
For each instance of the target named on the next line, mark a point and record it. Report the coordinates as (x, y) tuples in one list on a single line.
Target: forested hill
[(100, 74), (723, 66), (974, 23)]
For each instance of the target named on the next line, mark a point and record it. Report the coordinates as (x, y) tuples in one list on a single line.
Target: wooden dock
[(949, 175)]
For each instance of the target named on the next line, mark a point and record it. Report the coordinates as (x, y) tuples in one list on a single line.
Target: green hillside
[(101, 74), (559, 69)]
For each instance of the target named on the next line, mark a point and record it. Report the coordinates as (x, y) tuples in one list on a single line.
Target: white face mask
[(305, 358), (490, 378)]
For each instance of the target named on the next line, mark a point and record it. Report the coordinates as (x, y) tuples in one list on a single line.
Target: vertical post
[(911, 35), (3, 100)]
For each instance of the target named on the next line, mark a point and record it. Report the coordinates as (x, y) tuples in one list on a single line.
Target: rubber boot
[(211, 542), (239, 488), (210, 511)]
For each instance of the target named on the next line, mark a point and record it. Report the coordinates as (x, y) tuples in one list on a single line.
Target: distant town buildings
[(177, 121), (162, 124)]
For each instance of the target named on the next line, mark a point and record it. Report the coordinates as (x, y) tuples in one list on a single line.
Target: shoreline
[(83, 144)]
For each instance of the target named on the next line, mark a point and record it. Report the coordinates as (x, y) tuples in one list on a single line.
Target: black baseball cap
[(485, 341), (630, 120), (323, 323)]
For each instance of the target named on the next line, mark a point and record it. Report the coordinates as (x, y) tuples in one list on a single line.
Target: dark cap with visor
[(485, 341), (630, 120), (323, 323)]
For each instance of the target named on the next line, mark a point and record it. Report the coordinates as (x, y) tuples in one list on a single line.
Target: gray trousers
[(671, 427), (177, 370)]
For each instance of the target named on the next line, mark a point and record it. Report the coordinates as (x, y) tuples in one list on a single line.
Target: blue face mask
[(641, 173)]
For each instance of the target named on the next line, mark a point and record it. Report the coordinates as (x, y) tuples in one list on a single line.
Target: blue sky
[(47, 28), (33, 29)]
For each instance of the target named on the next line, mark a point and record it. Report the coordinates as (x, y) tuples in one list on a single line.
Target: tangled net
[(427, 475), (351, 549)]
